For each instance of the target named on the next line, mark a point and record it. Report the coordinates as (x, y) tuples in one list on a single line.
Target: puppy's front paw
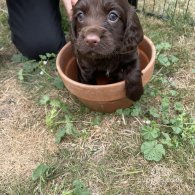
[(134, 91)]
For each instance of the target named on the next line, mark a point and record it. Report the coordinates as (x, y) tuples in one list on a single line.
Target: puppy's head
[(104, 27)]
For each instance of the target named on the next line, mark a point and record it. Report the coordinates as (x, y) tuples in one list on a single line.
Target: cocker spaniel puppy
[(105, 35)]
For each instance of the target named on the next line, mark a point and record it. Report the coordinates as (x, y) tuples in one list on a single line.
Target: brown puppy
[(105, 35)]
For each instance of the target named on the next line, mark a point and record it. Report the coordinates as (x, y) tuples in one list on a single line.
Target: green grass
[(102, 152)]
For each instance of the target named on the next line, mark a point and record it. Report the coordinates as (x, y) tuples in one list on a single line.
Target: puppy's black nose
[(92, 39)]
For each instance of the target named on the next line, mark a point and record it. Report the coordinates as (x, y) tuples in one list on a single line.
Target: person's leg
[(35, 26)]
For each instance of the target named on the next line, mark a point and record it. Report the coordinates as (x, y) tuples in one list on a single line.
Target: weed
[(68, 129), (58, 117), (133, 111), (79, 188), (44, 67), (152, 150), (175, 123), (41, 175), (165, 59), (96, 120), (167, 125), (40, 172)]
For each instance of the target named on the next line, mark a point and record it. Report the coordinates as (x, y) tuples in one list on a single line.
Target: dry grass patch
[(24, 141)]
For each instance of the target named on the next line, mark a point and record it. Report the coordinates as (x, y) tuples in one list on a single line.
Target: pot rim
[(106, 86)]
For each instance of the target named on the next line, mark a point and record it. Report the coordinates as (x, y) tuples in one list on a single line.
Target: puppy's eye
[(113, 16), (80, 16)]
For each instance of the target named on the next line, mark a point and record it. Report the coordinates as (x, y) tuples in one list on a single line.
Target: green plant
[(28, 68), (45, 67), (166, 125), (55, 109), (58, 118), (152, 150), (68, 129), (96, 120), (150, 132), (169, 126), (163, 57), (40, 172), (78, 189), (135, 110)]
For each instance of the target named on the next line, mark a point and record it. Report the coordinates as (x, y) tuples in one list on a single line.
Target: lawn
[(52, 144)]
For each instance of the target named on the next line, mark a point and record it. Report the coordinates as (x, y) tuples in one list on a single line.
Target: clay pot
[(102, 97)]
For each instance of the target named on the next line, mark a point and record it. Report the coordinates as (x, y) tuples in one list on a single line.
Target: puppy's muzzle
[(92, 35)]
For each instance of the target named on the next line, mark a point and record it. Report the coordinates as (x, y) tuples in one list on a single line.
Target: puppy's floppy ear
[(133, 34)]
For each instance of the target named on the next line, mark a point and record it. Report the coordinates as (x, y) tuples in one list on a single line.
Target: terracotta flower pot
[(102, 97)]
